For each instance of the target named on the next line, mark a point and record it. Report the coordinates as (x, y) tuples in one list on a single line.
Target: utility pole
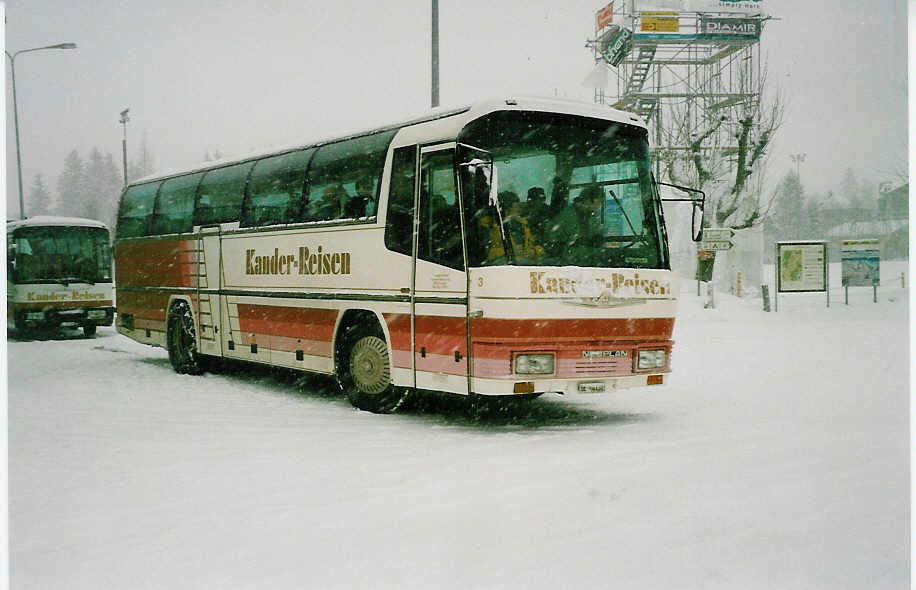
[(124, 120), (798, 159), (435, 54)]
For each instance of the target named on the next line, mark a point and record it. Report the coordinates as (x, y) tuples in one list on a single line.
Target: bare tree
[(723, 153)]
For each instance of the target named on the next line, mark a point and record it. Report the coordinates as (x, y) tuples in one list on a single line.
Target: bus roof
[(468, 112), (52, 221)]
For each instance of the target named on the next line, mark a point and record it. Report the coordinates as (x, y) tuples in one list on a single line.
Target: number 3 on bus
[(507, 248)]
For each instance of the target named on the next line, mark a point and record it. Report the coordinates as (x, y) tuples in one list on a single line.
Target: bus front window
[(62, 254), (573, 191)]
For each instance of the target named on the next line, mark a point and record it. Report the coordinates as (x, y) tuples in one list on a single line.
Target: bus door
[(439, 290), (209, 272)]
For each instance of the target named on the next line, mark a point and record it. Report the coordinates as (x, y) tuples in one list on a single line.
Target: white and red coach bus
[(508, 248), (58, 275)]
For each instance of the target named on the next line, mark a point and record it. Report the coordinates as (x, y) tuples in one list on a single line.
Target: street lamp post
[(12, 59), (124, 120), (434, 61), (798, 159)]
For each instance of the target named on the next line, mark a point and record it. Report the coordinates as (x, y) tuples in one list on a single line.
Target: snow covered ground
[(776, 457)]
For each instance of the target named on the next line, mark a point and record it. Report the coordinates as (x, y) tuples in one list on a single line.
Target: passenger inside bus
[(359, 205), (589, 208), (577, 230), (524, 247), (332, 204), (536, 212)]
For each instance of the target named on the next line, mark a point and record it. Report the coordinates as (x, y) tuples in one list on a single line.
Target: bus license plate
[(591, 387), (96, 314)]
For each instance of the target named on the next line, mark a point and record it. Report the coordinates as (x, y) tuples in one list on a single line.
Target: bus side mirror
[(696, 230), (483, 174), (697, 202), (494, 185)]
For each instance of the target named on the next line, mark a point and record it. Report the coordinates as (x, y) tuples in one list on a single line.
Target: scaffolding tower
[(687, 74)]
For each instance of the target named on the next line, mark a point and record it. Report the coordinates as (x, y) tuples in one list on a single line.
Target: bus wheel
[(21, 331), (368, 385), (182, 342), (89, 331)]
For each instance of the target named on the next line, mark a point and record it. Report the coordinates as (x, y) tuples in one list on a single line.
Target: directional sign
[(718, 234), (714, 245)]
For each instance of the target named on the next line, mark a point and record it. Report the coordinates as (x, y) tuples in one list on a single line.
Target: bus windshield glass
[(572, 191), (46, 254)]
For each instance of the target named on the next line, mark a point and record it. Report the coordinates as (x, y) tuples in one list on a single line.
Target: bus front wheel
[(182, 341), (89, 330), (368, 379)]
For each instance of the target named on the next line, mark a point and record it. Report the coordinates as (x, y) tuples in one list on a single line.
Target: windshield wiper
[(624, 211)]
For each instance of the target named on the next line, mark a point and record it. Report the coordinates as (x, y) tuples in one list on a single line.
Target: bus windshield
[(47, 254), (572, 191)]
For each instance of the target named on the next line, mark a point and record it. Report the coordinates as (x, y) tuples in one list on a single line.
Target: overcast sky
[(235, 75)]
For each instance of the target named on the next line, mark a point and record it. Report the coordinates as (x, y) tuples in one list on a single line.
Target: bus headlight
[(651, 359), (35, 315), (528, 364)]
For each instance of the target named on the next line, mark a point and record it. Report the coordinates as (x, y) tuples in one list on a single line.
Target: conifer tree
[(39, 201), (72, 187), (94, 174), (143, 164)]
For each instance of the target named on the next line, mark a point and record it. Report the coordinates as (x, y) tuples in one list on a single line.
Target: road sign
[(718, 234), (714, 245)]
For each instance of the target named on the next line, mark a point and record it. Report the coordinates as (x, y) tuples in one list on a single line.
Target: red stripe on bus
[(552, 330), (495, 340), (439, 335), (292, 322), (438, 329), (310, 347), (143, 305), (157, 263)]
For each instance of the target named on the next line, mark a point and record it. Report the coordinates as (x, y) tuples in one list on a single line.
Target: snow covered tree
[(850, 190), (143, 164), (92, 207), (105, 186), (39, 201), (73, 189), (788, 215)]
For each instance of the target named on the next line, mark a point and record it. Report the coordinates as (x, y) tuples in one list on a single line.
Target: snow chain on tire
[(182, 341)]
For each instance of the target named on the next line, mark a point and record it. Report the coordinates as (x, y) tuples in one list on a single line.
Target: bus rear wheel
[(182, 341), (368, 379), (89, 331)]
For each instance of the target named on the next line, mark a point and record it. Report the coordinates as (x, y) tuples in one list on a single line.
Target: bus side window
[(275, 189), (399, 221), (175, 205), (344, 178), (219, 199), (136, 211)]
